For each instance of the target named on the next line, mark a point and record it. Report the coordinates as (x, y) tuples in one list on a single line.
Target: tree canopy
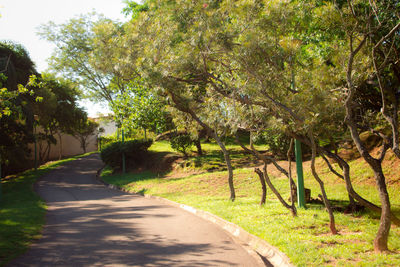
[(319, 71)]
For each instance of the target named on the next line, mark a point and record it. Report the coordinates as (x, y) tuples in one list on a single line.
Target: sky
[(20, 20)]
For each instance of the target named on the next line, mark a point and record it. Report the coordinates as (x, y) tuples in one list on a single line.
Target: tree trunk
[(360, 199), (176, 99), (228, 164), (83, 145), (263, 186), (380, 242), (264, 173), (381, 239), (321, 185), (198, 146), (349, 186), (60, 151)]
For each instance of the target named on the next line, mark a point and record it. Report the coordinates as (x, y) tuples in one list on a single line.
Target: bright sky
[(20, 20)]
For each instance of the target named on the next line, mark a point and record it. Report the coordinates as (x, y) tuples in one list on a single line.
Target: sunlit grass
[(161, 146), (22, 211), (305, 239)]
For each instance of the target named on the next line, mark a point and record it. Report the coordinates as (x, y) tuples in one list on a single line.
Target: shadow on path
[(91, 225)]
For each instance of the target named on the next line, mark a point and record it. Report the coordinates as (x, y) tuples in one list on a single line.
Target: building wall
[(68, 146), (108, 126)]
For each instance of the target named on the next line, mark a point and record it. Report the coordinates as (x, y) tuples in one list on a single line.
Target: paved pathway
[(91, 225)]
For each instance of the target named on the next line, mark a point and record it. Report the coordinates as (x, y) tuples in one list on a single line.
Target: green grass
[(305, 239), (22, 211), (161, 146), (213, 158)]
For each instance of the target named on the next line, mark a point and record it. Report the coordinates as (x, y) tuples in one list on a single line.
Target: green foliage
[(257, 65), (181, 143), (133, 150), (59, 112), (83, 129), (105, 140), (134, 9), (138, 108), (277, 142), (17, 79), (83, 53)]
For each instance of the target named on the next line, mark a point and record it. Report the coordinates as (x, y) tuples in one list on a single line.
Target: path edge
[(260, 246)]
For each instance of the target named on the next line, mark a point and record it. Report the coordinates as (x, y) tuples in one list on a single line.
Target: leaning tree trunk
[(327, 203), (380, 242), (178, 104), (264, 174), (381, 239), (349, 186), (228, 164), (263, 186), (352, 202), (382, 236)]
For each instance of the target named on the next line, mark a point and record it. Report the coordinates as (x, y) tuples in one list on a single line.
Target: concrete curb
[(272, 254)]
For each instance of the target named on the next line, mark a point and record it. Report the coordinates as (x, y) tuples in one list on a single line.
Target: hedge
[(134, 151)]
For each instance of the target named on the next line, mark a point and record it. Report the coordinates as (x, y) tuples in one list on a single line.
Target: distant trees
[(25, 93), (16, 114)]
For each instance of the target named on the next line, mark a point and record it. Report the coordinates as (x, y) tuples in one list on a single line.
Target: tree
[(374, 37), (173, 68), (84, 45), (138, 108), (58, 113), (16, 97), (83, 130)]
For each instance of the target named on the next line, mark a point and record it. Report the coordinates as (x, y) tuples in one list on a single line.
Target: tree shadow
[(89, 225)]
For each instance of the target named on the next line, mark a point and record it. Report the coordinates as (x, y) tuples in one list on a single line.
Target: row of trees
[(30, 101), (320, 71)]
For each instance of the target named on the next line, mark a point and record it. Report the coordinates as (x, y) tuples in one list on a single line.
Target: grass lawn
[(22, 211), (305, 239)]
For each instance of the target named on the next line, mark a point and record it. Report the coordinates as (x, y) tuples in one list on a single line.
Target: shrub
[(181, 143), (106, 140), (278, 143), (134, 152)]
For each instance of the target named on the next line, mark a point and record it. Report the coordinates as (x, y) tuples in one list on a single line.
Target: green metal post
[(300, 180), (123, 154)]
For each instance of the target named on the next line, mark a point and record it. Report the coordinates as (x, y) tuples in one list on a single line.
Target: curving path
[(89, 224)]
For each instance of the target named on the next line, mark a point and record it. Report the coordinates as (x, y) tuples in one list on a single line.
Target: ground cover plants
[(22, 211), (305, 239)]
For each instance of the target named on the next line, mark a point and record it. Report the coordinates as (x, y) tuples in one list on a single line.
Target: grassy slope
[(22, 211), (305, 239)]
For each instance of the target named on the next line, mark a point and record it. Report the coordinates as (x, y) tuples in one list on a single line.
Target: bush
[(106, 140), (134, 152), (278, 143), (181, 143)]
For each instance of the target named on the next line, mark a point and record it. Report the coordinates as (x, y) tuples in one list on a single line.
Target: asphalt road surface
[(88, 224)]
